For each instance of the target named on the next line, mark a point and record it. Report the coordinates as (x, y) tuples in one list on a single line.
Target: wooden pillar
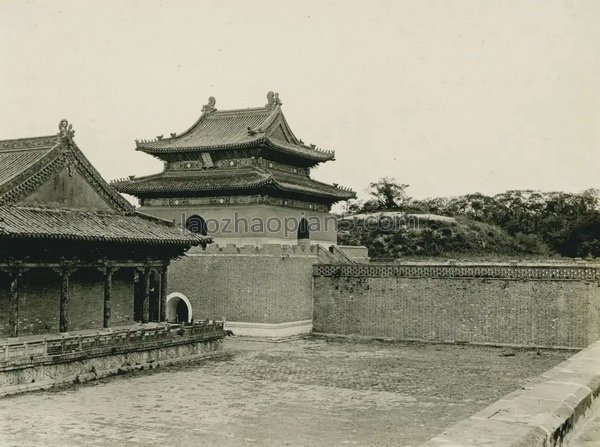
[(13, 313), (65, 270), (107, 268), (64, 300), (163, 293), (146, 296), (108, 272)]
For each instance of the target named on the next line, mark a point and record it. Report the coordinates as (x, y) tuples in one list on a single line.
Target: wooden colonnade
[(65, 269)]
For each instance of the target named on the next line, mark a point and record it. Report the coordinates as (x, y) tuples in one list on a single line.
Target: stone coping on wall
[(511, 270), (273, 331), (542, 414), (264, 249)]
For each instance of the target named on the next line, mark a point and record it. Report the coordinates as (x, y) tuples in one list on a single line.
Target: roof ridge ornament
[(273, 100), (210, 107), (65, 131)]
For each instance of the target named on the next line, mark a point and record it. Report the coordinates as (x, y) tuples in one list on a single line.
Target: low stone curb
[(539, 415), (370, 338)]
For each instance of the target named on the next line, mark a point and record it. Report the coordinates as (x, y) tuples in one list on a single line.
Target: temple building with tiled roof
[(241, 176), (74, 254)]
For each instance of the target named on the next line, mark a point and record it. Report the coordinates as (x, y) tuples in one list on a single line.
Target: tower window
[(303, 231), (196, 224)]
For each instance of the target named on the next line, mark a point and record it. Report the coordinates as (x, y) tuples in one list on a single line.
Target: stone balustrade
[(53, 348)]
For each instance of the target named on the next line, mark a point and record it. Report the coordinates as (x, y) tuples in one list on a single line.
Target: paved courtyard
[(311, 392)]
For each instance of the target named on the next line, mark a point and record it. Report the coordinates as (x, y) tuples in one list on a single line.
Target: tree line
[(548, 223)]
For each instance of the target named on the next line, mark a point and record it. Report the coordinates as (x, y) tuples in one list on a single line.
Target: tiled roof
[(237, 129), (47, 223), (299, 183), (25, 164), (17, 155), (194, 181), (225, 180), (28, 162), (220, 128)]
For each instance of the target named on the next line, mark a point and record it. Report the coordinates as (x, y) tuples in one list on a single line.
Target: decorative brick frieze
[(183, 165), (492, 271), (235, 200), (264, 249)]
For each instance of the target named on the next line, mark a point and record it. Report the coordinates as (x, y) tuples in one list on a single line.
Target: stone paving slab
[(311, 392), (548, 413)]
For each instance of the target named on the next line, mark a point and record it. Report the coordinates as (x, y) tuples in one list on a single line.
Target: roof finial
[(273, 100), (65, 131), (210, 107)]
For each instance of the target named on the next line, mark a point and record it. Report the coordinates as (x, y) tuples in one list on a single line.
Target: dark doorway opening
[(154, 305), (196, 224), (153, 296), (138, 295), (182, 312), (303, 231)]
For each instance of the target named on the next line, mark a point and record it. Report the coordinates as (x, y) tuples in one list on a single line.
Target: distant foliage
[(431, 238), (511, 223)]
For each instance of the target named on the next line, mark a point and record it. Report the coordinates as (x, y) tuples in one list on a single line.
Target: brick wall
[(86, 299), (39, 301), (121, 305), (267, 285), (86, 304), (536, 305)]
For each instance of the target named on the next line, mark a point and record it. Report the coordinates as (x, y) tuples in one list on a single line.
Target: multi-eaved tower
[(242, 177)]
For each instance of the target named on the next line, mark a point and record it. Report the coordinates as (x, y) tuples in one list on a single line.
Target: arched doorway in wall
[(179, 308), (196, 224), (303, 230)]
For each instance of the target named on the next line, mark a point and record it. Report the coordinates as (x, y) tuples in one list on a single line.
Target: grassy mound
[(391, 235)]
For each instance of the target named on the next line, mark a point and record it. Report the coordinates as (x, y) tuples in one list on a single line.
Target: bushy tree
[(388, 194), (582, 238)]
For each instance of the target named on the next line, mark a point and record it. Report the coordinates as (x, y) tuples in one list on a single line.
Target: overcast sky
[(450, 97)]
